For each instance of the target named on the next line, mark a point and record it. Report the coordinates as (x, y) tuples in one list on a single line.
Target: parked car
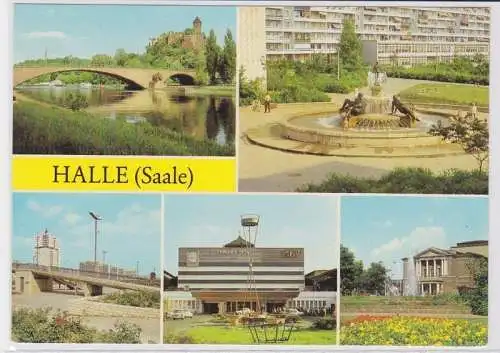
[(244, 311), (177, 315), (188, 314), (293, 312)]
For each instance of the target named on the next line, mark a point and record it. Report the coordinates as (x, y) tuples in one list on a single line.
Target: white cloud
[(419, 239), (45, 211), (132, 221), (72, 218), (45, 34)]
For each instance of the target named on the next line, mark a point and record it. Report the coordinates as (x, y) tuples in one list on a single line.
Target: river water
[(205, 117)]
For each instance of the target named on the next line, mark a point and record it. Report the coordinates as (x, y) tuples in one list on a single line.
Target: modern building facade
[(46, 251), (222, 279), (440, 271), (390, 35)]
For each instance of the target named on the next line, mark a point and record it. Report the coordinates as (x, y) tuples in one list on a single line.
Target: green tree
[(374, 278), (227, 70), (101, 60), (351, 271), (121, 57), (477, 297), (470, 132), (201, 76), (212, 54), (350, 47)]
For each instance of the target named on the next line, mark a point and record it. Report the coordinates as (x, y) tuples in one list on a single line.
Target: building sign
[(192, 258), (233, 252), (291, 253)]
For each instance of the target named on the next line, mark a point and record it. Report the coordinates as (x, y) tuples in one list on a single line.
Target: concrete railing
[(108, 275)]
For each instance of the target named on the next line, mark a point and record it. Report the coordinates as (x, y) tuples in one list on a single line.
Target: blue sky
[(85, 30), (130, 230), (307, 221), (388, 228)]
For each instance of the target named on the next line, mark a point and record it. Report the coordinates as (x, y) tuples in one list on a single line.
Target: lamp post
[(96, 219), (104, 252)]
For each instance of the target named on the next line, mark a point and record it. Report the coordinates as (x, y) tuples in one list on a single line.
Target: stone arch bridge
[(137, 78)]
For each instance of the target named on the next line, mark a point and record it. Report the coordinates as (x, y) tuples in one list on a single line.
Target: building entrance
[(210, 308)]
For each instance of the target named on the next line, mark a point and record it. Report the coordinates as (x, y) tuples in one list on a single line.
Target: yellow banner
[(47, 173)]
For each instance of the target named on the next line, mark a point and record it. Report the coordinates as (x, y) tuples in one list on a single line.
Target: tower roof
[(239, 243), (197, 20)]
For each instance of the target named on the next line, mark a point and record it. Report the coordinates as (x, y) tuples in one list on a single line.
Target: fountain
[(410, 280), (361, 128)]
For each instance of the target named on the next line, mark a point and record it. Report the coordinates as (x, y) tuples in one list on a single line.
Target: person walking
[(473, 110), (267, 103), (375, 70)]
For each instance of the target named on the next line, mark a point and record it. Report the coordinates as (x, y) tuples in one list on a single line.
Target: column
[(421, 288), (445, 267), (419, 268), (426, 268), (434, 269)]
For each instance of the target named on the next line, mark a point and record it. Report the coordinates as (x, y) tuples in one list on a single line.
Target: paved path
[(150, 327), (262, 169)]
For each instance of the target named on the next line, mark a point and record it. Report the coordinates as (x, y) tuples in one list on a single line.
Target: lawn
[(447, 94), (214, 90), (238, 335), (42, 129)]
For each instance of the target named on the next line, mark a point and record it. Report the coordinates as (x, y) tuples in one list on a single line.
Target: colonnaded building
[(239, 275), (390, 35), (441, 271)]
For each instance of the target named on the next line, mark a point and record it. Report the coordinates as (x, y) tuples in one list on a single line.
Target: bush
[(406, 181), (42, 326), (460, 70), (135, 298), (325, 324), (42, 130)]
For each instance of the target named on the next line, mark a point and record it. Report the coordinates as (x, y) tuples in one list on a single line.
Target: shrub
[(325, 324), (406, 181), (42, 130), (43, 326), (135, 298)]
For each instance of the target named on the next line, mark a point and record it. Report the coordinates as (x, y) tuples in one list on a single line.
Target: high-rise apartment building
[(46, 251), (390, 35)]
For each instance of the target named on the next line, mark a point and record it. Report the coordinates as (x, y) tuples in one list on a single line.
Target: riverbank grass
[(40, 129), (447, 94)]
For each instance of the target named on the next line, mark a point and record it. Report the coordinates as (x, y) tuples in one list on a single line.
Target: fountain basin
[(322, 134)]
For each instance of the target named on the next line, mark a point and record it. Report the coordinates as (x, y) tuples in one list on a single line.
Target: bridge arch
[(138, 78), (131, 84), (183, 79)]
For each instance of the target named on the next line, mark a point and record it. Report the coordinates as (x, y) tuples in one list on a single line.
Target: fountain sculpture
[(376, 111), (373, 124), (411, 281)]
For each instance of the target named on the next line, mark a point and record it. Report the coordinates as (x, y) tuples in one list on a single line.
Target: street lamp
[(137, 267), (96, 219), (104, 252)]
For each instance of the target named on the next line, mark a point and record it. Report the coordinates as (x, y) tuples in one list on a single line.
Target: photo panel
[(364, 99), (414, 271), (85, 268), (149, 80), (247, 269)]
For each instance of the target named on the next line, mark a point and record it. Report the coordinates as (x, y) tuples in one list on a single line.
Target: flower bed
[(403, 331)]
